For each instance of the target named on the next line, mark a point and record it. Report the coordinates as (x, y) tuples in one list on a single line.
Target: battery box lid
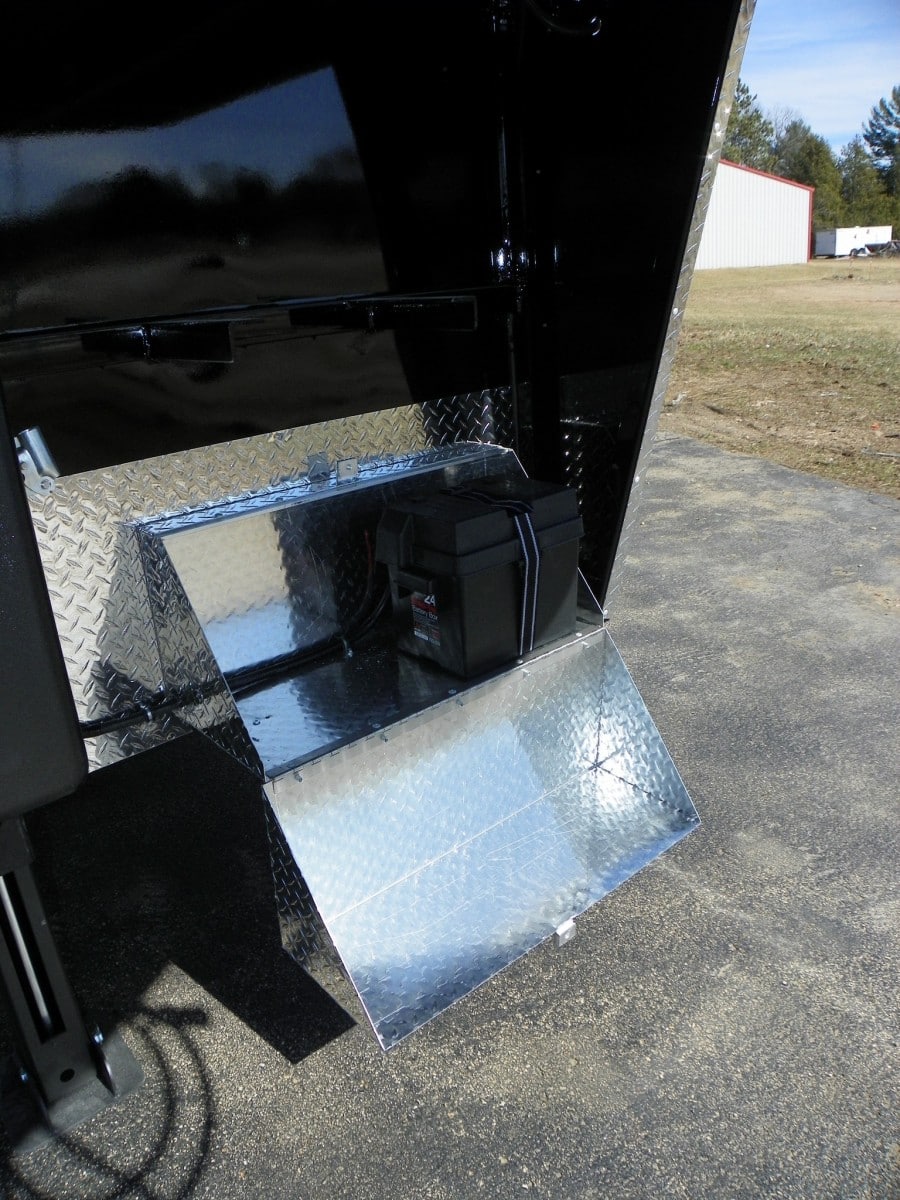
[(470, 528)]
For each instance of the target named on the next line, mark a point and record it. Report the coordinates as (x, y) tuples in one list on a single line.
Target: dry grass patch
[(798, 364)]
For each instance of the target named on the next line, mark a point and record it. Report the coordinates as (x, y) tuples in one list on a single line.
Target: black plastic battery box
[(482, 574)]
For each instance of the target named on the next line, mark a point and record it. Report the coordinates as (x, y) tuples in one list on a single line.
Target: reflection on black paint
[(397, 147)]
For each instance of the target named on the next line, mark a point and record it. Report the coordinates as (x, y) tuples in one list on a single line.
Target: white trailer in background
[(838, 243)]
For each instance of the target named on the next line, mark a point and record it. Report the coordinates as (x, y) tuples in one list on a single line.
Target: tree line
[(858, 186)]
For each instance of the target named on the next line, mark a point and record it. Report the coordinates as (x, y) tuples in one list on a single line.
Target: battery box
[(482, 574)]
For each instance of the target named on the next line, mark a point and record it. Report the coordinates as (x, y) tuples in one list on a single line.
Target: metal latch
[(564, 933), (39, 471), (319, 468)]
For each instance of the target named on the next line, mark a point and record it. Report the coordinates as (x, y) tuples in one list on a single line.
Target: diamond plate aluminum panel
[(442, 848), (91, 561), (472, 417), (333, 704), (190, 669), (303, 933), (682, 291), (242, 584), (599, 429)]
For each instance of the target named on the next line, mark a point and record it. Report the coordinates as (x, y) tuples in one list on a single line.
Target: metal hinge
[(39, 471)]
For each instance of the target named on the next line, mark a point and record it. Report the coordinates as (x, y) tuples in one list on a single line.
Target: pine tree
[(789, 148), (865, 198), (748, 139), (805, 157), (882, 135)]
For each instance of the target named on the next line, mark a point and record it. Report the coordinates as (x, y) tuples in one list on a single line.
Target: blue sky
[(829, 61)]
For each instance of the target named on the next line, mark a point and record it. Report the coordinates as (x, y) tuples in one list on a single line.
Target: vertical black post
[(41, 750), (60, 1072)]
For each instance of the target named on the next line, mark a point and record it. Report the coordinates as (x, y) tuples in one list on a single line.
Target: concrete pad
[(723, 1025)]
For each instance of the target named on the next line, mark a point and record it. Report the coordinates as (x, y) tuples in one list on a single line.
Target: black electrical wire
[(142, 711), (251, 679), (245, 680)]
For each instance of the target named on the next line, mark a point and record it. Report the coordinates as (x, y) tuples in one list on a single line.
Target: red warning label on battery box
[(425, 617)]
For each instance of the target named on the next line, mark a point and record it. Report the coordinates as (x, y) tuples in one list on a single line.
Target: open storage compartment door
[(446, 846), (427, 828)]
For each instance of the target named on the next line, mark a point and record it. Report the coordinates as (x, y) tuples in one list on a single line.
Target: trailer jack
[(62, 1071)]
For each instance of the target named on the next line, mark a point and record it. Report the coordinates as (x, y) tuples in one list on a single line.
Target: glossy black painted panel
[(149, 191), (399, 147)]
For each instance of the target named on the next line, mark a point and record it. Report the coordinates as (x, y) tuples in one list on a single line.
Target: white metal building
[(755, 220)]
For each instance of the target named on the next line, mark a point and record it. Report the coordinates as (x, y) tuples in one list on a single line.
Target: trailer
[(325, 403), (860, 239)]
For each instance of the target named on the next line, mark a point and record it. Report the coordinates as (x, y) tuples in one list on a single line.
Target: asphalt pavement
[(724, 1025)]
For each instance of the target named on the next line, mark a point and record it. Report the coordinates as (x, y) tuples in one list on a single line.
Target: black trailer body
[(268, 300)]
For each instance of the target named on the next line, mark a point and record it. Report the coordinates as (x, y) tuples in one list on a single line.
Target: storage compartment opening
[(299, 616), (434, 814)]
